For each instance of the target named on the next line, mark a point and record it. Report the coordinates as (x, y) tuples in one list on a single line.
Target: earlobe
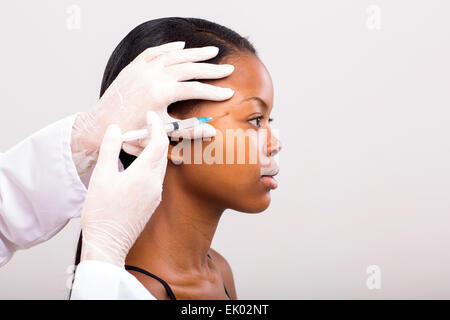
[(176, 151)]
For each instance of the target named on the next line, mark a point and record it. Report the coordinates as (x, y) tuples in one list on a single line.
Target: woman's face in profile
[(243, 142)]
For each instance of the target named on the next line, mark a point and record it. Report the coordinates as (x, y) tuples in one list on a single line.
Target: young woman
[(173, 257)]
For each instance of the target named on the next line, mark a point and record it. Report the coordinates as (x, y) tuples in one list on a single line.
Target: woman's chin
[(256, 206)]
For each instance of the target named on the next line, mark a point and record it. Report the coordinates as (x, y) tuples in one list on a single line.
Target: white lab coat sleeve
[(97, 280), (40, 190)]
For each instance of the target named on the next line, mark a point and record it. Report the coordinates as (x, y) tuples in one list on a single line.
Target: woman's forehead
[(249, 79)]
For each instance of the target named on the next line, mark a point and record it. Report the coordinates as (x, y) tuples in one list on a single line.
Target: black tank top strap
[(165, 284), (226, 291)]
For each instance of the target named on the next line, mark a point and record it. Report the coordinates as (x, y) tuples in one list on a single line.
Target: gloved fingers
[(188, 55), (135, 147), (132, 148), (197, 90), (204, 130), (151, 53), (164, 116), (157, 146), (110, 149), (191, 70)]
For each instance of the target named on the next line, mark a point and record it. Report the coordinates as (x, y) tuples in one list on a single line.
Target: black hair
[(195, 32)]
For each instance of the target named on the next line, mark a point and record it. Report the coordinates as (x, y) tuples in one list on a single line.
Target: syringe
[(170, 126)]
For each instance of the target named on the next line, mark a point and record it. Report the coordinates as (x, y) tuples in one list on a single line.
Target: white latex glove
[(119, 204), (152, 81)]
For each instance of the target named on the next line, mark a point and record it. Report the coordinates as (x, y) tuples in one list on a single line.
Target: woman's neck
[(179, 233)]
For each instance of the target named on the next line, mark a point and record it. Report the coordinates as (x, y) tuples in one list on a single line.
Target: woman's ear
[(178, 150)]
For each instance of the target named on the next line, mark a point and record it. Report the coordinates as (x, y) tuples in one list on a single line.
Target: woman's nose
[(274, 146)]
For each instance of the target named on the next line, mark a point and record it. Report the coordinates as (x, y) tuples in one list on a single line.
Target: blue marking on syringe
[(203, 120)]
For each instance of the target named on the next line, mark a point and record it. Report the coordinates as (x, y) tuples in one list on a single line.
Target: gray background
[(363, 116)]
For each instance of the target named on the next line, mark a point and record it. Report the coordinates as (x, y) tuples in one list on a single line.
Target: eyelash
[(258, 121)]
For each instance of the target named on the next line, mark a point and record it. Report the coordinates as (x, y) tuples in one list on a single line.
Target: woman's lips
[(269, 181), (267, 176)]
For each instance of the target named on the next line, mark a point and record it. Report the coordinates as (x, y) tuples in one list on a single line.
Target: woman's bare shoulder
[(225, 269)]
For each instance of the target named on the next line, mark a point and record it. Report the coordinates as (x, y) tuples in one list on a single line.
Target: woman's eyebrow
[(258, 99)]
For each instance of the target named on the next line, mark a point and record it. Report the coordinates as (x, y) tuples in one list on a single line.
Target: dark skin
[(177, 240)]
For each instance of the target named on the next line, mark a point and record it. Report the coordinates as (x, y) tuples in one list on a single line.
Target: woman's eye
[(256, 121)]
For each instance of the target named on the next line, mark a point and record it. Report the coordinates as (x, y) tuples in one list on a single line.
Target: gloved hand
[(119, 204), (152, 81)]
